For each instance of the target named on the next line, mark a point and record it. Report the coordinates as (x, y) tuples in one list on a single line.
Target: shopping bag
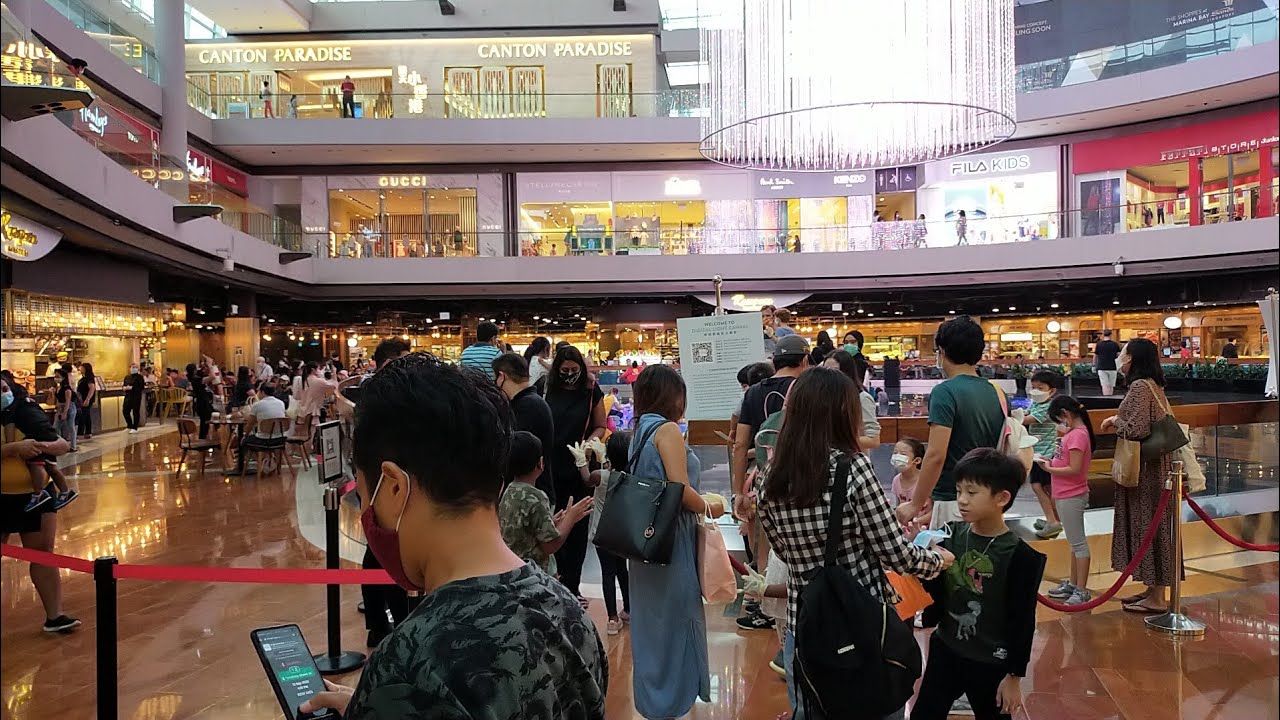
[(914, 597), (1127, 465), (715, 572)]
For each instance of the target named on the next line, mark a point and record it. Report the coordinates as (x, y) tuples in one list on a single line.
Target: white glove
[(579, 452), (754, 585), (596, 446)]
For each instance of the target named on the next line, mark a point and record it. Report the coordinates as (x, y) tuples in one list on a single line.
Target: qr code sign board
[(702, 353)]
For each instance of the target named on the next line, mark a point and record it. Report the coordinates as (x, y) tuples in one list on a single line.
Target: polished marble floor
[(184, 650)]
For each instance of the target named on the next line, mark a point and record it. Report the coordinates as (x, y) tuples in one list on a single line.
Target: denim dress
[(668, 625)]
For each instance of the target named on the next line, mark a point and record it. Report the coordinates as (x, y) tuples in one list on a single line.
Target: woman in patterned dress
[(1135, 507)]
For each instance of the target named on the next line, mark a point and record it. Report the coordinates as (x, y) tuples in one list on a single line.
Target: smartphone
[(291, 669)]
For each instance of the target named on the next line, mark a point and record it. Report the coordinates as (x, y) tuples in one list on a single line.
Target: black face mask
[(570, 377)]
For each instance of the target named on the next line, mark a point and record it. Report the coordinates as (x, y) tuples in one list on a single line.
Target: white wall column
[(171, 53)]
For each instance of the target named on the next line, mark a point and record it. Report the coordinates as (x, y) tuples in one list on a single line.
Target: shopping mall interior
[(206, 201)]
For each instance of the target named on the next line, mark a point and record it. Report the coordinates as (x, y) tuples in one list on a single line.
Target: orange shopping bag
[(914, 597)]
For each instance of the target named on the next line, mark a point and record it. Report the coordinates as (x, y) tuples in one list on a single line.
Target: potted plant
[(1252, 379), (1177, 376), (1019, 374)]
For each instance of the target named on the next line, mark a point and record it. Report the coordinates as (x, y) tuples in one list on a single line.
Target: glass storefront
[(596, 76), (1011, 196), (1218, 171)]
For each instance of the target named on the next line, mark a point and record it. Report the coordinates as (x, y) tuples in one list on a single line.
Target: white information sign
[(712, 351)]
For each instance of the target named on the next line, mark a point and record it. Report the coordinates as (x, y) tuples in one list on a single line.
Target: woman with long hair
[(315, 392), (201, 396), (820, 433), (669, 633), (240, 392), (87, 388), (1144, 404), (822, 347), (869, 437), (538, 355), (577, 413)]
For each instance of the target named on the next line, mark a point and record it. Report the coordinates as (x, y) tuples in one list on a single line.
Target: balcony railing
[(110, 33)]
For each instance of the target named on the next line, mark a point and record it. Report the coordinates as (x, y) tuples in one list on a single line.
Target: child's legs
[(981, 680), (608, 571), (1071, 510), (38, 480), (1040, 485), (942, 685), (56, 475)]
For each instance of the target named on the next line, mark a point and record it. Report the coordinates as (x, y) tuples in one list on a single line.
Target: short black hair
[(1231, 339), (448, 427), (993, 470), (618, 449), (961, 339), (789, 361), (389, 349), (526, 452), (745, 374), (486, 332), (1052, 378), (512, 365), (760, 371)]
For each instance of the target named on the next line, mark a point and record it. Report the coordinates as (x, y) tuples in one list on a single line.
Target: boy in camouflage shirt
[(524, 513)]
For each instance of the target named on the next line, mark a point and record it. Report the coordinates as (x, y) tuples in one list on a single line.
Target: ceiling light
[(1053, 305), (368, 322), (951, 312), (860, 311), (846, 313), (1115, 301), (789, 102), (1012, 307), (1053, 326), (995, 309), (1173, 322)]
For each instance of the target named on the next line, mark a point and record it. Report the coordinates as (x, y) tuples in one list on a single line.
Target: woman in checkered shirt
[(821, 425)]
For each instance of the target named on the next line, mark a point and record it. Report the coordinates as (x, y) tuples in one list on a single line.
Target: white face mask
[(899, 461), (1063, 428), (1038, 395)]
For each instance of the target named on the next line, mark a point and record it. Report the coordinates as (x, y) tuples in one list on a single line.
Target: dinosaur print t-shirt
[(973, 621)]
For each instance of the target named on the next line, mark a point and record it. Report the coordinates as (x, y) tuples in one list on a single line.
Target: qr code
[(702, 353)]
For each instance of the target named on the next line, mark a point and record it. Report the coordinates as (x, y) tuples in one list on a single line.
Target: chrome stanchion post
[(1174, 622), (717, 281)]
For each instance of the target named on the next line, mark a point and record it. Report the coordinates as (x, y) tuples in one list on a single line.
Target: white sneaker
[(133, 431), (613, 627)]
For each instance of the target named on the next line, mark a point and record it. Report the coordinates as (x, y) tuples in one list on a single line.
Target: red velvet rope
[(1244, 544), (40, 557), (1147, 539)]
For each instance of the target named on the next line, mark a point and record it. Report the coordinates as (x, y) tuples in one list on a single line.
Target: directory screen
[(289, 663)]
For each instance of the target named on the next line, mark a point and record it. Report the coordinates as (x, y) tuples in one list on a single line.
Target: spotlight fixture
[(1012, 308), (861, 311), (995, 309), (1115, 300), (1053, 305), (951, 312)]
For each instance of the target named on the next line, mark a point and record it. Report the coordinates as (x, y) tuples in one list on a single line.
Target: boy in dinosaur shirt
[(985, 603)]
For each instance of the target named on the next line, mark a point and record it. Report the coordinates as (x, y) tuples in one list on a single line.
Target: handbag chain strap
[(835, 515)]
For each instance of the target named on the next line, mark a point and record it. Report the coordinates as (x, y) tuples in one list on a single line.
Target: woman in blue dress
[(668, 627)]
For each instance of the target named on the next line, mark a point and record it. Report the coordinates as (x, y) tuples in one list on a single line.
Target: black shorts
[(1040, 476), (13, 515)]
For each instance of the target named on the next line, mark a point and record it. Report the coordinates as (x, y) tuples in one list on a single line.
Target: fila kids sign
[(990, 165)]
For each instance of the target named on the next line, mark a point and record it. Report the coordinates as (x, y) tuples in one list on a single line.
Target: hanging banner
[(712, 351)]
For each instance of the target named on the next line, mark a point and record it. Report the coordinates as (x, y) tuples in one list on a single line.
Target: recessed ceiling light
[(1053, 305), (995, 309), (951, 312), (1011, 307)]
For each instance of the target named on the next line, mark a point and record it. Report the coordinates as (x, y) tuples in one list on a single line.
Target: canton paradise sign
[(25, 240)]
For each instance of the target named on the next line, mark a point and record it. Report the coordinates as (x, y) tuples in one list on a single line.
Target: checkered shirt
[(873, 539)]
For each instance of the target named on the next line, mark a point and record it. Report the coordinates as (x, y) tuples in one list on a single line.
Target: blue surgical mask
[(851, 348), (6, 399), (927, 538)]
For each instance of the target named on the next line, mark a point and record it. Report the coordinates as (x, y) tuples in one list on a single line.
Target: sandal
[(1141, 609), (1132, 599)]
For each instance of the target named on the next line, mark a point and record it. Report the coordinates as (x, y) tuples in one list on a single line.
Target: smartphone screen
[(290, 668)]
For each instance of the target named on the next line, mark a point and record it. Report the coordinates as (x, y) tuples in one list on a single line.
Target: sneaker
[(756, 621), (1079, 597), (750, 607), (1063, 591), (1050, 531), (613, 627), (962, 707), (37, 499), (1039, 524), (776, 664), (61, 624), (133, 431), (65, 498), (624, 616)]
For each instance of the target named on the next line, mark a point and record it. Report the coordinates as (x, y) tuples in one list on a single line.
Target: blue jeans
[(67, 426), (798, 712)]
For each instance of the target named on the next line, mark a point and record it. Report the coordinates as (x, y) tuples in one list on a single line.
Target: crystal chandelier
[(826, 85)]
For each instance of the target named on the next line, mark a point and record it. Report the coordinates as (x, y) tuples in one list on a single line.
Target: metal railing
[(111, 34)]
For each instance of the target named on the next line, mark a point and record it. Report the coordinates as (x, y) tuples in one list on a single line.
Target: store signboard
[(563, 187), (712, 350), (1057, 29), (1247, 133), (202, 168), (789, 185), (26, 240), (743, 302), (997, 164), (674, 185)]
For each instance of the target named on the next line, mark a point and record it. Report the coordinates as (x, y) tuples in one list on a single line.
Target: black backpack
[(854, 657)]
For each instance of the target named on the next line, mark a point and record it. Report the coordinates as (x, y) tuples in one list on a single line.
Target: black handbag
[(1166, 433), (639, 517)]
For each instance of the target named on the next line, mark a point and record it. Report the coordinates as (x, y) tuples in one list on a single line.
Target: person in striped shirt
[(480, 356)]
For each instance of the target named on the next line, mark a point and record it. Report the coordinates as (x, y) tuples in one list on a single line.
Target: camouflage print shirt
[(515, 646), (524, 513)]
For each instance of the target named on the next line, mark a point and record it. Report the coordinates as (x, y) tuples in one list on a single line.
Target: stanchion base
[(339, 664), (1176, 624)]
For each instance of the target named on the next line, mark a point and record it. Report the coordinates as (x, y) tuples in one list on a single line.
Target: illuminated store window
[(495, 91), (400, 223), (557, 229), (613, 90), (659, 228)]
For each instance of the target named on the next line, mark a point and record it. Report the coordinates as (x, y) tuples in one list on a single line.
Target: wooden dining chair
[(299, 439), (271, 433), (189, 441)]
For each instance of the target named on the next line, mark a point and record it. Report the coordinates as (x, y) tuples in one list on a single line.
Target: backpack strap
[(835, 515)]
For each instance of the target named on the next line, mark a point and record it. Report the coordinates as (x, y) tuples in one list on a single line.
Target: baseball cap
[(791, 345)]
